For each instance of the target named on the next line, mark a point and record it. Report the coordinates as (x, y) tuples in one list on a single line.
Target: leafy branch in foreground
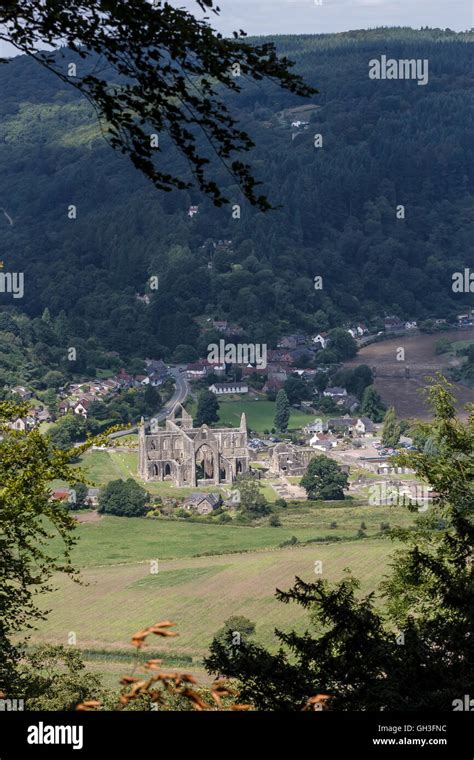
[(165, 72), (162, 689), (159, 687), (407, 646), (29, 519)]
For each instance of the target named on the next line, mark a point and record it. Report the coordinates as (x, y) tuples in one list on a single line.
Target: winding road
[(179, 397)]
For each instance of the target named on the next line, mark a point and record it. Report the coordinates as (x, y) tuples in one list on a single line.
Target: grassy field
[(260, 415), (118, 540), (198, 593)]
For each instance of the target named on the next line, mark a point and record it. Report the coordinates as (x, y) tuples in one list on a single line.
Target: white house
[(317, 426), (221, 389), (82, 407), (322, 441), (363, 426), (19, 424), (335, 391), (321, 340)]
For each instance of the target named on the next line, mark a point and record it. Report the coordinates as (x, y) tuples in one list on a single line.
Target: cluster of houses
[(341, 398), (35, 415), (227, 329), (466, 320), (80, 396), (294, 350), (202, 503), (77, 398), (324, 435)]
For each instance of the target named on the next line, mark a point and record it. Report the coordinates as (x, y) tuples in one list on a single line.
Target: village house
[(41, 414), (335, 392), (298, 354), (341, 424), (411, 325), (82, 407), (221, 389), (22, 392), (64, 407), (323, 446), (358, 331), (323, 441), (156, 365), (275, 382), (393, 324), (92, 498), (280, 356), (321, 340), (348, 402), (22, 424), (202, 503), (250, 371), (318, 426), (216, 368), (292, 341), (196, 370), (364, 426), (125, 380), (109, 385), (65, 495)]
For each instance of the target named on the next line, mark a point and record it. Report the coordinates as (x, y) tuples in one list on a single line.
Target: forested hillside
[(385, 143)]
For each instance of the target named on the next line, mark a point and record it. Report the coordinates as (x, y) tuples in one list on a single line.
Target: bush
[(274, 521), (124, 498), (289, 542), (333, 524), (281, 503), (384, 526), (225, 518)]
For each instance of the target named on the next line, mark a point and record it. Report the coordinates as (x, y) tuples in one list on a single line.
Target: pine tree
[(208, 409), (406, 647), (391, 429), (282, 411), (371, 406)]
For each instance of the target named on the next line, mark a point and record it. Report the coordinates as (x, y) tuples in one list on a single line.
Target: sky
[(323, 16), (258, 17)]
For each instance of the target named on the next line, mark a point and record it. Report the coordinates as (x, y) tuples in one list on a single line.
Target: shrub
[(289, 542), (124, 498)]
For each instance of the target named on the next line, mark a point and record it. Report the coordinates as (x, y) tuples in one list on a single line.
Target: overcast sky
[(309, 17)]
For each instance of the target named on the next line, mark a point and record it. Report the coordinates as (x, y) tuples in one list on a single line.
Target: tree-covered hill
[(385, 143)]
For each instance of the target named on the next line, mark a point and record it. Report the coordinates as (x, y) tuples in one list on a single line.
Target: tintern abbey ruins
[(190, 456)]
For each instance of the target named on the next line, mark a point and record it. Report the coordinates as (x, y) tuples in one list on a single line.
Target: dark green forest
[(385, 143)]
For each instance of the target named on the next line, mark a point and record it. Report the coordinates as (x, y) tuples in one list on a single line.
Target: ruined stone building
[(190, 456), (288, 459)]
